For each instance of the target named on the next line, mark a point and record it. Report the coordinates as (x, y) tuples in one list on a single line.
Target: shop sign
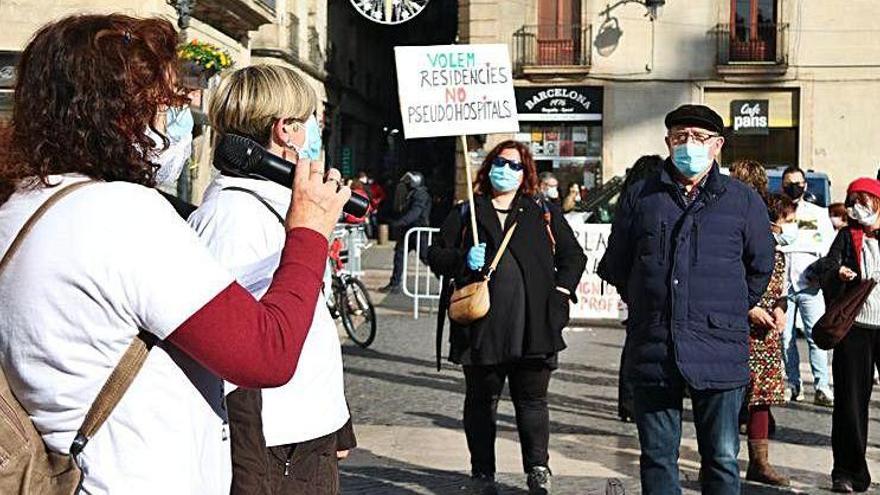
[(559, 103), (750, 116), (8, 61), (455, 90)]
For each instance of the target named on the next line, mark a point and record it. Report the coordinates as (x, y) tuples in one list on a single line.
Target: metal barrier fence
[(423, 281), (354, 242)]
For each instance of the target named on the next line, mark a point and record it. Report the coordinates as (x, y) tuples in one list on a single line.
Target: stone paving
[(408, 419)]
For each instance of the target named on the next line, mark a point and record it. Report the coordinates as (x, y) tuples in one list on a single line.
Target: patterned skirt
[(766, 368)]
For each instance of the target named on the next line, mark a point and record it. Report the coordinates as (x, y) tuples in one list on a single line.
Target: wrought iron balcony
[(760, 49), (235, 18), (552, 49)]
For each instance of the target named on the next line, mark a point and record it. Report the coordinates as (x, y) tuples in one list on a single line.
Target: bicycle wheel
[(357, 312)]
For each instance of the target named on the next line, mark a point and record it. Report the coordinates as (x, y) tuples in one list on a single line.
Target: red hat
[(866, 185)]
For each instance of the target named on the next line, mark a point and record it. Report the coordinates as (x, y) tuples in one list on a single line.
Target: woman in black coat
[(854, 256), (530, 293)]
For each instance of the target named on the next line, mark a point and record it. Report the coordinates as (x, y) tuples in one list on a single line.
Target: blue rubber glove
[(476, 257)]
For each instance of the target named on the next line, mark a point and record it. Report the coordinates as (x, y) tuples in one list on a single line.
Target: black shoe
[(482, 484), (539, 480), (391, 289), (842, 485)]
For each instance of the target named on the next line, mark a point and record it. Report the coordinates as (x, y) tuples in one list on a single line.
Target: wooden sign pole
[(470, 188)]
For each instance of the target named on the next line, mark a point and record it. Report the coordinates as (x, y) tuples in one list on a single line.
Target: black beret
[(695, 116)]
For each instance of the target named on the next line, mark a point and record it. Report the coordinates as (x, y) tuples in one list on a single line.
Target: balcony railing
[(546, 48), (764, 44)]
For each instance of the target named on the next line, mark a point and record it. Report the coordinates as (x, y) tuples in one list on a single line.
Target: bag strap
[(258, 198), (131, 361), (501, 250)]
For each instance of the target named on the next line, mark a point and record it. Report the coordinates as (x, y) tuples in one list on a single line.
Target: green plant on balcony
[(201, 61)]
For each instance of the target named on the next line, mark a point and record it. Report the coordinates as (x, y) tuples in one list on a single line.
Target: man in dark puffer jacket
[(691, 253)]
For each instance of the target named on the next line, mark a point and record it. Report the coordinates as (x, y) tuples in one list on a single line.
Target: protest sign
[(455, 90), (596, 301)]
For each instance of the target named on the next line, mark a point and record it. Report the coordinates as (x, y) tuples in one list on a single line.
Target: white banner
[(455, 90), (596, 301)]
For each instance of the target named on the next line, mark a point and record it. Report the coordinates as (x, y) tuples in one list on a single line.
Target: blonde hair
[(250, 100)]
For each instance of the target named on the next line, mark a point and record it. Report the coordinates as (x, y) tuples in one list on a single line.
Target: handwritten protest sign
[(453, 90), (595, 301)]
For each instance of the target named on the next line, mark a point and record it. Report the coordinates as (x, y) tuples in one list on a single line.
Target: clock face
[(389, 11)]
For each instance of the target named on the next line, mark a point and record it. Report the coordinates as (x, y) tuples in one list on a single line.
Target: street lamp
[(654, 7), (184, 10)]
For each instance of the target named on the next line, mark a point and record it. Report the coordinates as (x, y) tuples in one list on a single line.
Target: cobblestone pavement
[(408, 420)]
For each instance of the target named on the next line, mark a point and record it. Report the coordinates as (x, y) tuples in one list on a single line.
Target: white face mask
[(862, 214), (552, 193)]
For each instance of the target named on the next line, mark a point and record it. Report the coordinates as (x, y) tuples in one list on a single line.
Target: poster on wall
[(596, 299), (455, 90)]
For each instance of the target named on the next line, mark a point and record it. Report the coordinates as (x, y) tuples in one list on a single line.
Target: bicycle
[(350, 300)]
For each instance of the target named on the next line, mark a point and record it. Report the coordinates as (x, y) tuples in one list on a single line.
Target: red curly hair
[(88, 88), (529, 186)]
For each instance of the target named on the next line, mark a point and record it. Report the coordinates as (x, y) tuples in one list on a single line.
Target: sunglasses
[(502, 162)]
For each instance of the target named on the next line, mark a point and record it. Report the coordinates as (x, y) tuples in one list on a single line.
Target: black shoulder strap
[(260, 199)]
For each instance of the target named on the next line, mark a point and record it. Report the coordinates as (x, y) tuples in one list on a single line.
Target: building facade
[(793, 79), (228, 24)]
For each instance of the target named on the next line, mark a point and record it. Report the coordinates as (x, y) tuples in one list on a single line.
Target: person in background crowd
[(573, 199), (413, 208), (854, 256), (549, 187), (375, 194), (113, 259), (767, 322), (643, 168), (691, 254), (178, 124), (815, 234), (837, 214), (530, 292), (358, 187), (284, 440)]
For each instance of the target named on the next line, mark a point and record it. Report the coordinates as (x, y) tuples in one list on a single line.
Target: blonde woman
[(284, 440)]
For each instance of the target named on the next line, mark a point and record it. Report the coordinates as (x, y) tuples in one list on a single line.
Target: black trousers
[(529, 380), (397, 272), (855, 358)]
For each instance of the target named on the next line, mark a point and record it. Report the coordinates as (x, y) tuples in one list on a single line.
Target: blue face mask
[(179, 124), (691, 159), (311, 148), (504, 179)]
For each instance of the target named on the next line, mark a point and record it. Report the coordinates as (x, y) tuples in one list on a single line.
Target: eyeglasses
[(697, 137), (501, 162)]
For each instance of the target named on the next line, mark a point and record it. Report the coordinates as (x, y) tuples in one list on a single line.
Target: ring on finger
[(337, 181)]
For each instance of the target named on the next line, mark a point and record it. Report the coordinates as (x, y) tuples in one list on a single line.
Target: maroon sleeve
[(256, 344)]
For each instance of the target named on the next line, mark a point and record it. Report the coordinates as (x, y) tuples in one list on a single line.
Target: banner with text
[(596, 300), (454, 90)]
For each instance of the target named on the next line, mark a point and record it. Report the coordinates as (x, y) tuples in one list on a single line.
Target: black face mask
[(794, 190)]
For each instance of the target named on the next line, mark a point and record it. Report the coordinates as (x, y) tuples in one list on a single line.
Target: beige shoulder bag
[(471, 302)]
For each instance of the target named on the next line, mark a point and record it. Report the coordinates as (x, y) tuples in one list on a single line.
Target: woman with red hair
[(855, 255), (520, 337), (111, 264)]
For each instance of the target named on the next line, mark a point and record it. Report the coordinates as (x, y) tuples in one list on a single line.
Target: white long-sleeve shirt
[(247, 239)]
